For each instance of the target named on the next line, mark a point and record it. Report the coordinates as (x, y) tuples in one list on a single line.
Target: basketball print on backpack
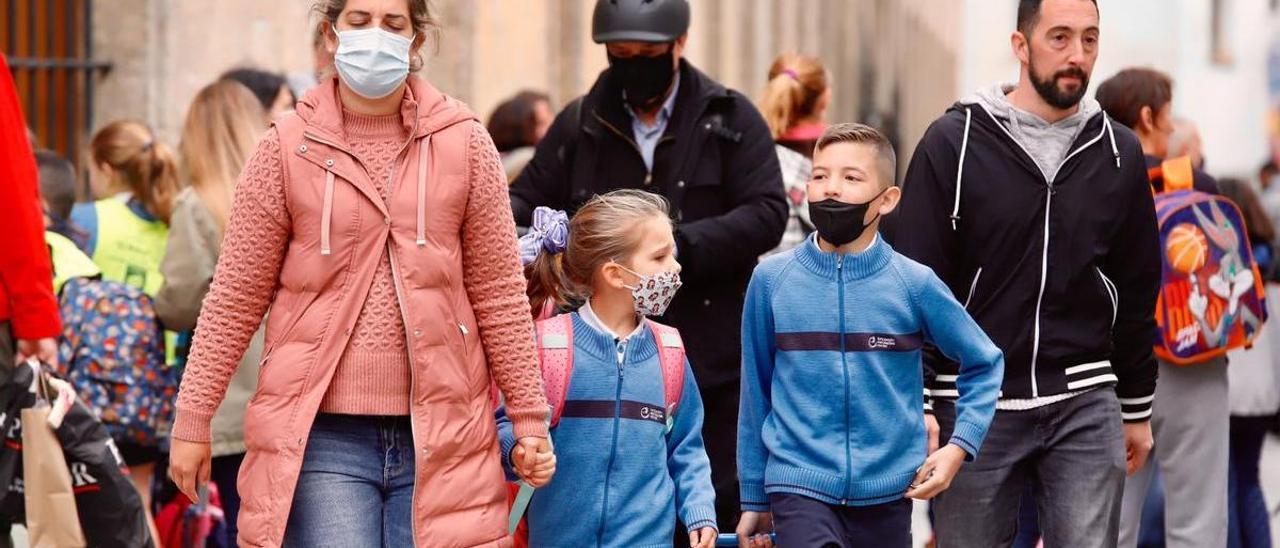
[(1211, 296)]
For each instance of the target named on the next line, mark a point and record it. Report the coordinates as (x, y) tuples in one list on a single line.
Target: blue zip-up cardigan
[(831, 375), (621, 479)]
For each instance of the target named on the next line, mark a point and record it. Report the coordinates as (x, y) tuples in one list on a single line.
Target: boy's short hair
[(887, 159), (57, 182), (1124, 94)]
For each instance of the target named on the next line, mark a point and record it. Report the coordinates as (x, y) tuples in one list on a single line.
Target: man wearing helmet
[(653, 121)]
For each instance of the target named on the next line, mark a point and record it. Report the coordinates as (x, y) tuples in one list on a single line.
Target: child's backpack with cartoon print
[(112, 351), (555, 354), (1212, 297)]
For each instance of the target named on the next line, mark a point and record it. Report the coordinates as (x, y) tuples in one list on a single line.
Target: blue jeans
[(356, 485), (223, 472), (1071, 453), (1250, 525)]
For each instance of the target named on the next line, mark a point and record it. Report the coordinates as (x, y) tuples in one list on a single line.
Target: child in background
[(127, 234), (831, 434), (58, 196), (631, 464), (1253, 381)]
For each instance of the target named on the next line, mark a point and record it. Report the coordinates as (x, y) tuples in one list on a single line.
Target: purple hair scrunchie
[(550, 232)]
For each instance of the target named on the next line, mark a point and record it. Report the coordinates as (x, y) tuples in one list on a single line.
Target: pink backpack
[(555, 352)]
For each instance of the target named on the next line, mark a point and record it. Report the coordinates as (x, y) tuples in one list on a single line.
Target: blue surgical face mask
[(372, 62)]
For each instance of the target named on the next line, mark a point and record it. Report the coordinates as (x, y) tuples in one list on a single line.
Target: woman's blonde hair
[(141, 164), (603, 230), (223, 125), (796, 84)]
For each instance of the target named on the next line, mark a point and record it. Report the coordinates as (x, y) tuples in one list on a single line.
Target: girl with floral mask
[(628, 411), (374, 223)]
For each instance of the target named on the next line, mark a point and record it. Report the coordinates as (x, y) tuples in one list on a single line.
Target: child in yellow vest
[(136, 179)]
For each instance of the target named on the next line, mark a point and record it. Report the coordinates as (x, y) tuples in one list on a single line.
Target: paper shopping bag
[(52, 521)]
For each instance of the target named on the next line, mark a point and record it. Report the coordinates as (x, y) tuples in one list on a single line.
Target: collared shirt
[(874, 240), (647, 136), (590, 318)]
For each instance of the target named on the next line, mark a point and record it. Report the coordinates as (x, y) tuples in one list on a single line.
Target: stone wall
[(892, 61)]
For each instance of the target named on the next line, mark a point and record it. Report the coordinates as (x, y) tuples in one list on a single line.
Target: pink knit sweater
[(373, 375)]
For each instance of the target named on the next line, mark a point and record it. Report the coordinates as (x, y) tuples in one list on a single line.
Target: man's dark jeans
[(1071, 453)]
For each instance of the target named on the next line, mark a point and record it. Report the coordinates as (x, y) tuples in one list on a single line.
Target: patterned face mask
[(653, 293)]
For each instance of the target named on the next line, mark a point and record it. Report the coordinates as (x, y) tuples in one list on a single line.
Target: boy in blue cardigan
[(831, 434)]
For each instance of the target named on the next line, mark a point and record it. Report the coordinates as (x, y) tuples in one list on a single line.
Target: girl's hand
[(534, 462), (937, 472), (703, 538), (753, 529), (189, 466)]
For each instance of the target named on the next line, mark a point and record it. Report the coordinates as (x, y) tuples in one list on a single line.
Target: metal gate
[(49, 46)]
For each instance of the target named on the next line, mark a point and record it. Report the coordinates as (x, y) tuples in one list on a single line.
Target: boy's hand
[(753, 529), (936, 474), (703, 538), (1137, 445), (932, 430), (534, 462)]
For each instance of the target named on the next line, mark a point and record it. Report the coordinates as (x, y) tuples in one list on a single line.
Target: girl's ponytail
[(161, 170), (142, 164), (541, 251), (778, 105), (796, 85)]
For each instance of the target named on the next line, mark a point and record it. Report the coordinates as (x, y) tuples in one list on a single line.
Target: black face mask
[(839, 223), (644, 80)]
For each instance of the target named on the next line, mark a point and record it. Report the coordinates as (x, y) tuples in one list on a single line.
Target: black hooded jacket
[(1062, 275), (717, 166)]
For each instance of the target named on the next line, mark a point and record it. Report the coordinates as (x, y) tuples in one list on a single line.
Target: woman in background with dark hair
[(517, 125), (1254, 383), (271, 89)]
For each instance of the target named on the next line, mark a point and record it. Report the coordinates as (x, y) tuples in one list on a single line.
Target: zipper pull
[(622, 352)]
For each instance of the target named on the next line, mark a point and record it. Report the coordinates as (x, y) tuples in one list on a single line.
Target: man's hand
[(1137, 445), (754, 528), (45, 350), (937, 472), (703, 538), (932, 430), (533, 460)]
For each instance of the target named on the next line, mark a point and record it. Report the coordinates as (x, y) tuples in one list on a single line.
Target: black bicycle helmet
[(639, 20)]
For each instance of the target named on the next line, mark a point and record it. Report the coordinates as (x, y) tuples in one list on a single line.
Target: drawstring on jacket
[(964, 146), (424, 153), (1106, 123), (326, 214)]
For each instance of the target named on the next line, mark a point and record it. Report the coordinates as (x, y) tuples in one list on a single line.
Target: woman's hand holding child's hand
[(703, 538), (754, 528), (937, 472), (533, 460)]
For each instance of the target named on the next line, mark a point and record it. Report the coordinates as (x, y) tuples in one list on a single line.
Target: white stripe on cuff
[(1138, 415), (947, 378), (1137, 401), (946, 393)]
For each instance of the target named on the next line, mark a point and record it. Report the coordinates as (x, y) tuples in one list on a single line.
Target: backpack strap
[(555, 353), (672, 357), (1174, 174)]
